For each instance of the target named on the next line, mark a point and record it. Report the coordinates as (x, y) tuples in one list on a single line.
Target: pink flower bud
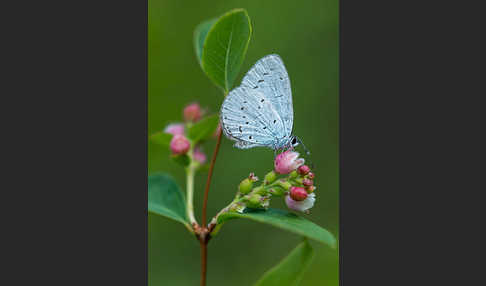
[(175, 129), (307, 182), (310, 189), (301, 206), (287, 161), (179, 145), (199, 156), (303, 170), (298, 193), (192, 112), (310, 176)]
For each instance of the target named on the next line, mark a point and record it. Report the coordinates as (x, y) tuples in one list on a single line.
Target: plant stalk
[(204, 234), (190, 194)]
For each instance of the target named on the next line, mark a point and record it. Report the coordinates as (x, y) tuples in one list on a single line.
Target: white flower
[(301, 206)]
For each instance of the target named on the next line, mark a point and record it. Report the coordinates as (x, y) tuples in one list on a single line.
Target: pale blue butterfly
[(259, 113)]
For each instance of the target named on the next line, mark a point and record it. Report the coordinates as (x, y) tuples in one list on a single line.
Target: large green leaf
[(200, 34), (225, 47), (284, 220), (166, 199), (290, 270), (204, 128)]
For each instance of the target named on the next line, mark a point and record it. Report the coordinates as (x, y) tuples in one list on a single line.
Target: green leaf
[(200, 34), (161, 138), (284, 220), (291, 269), (225, 47), (166, 199), (204, 128)]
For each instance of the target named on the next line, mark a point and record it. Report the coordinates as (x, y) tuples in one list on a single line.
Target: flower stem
[(204, 258), (190, 193), (204, 236), (208, 181)]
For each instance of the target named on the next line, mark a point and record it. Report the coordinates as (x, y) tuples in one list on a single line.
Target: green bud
[(299, 181), (245, 186), (254, 201), (260, 191), (277, 190), (285, 185), (270, 177), (293, 174)]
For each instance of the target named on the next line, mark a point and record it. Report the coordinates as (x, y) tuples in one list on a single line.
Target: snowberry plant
[(220, 46)]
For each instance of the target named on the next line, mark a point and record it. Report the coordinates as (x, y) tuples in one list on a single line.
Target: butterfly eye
[(295, 142)]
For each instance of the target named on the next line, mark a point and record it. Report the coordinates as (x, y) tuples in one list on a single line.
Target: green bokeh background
[(305, 34)]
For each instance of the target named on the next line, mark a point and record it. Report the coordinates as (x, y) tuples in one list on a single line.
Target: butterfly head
[(294, 141)]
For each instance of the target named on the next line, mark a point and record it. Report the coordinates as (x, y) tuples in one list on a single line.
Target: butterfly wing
[(250, 119), (269, 77)]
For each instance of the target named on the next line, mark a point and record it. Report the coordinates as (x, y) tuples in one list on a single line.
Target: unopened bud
[(255, 201), (310, 176), (192, 112), (179, 145), (245, 186), (299, 181), (310, 189), (293, 174), (303, 170), (307, 182), (285, 185), (260, 191), (298, 193), (199, 156), (270, 177)]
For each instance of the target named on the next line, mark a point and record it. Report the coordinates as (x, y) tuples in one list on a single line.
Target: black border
[(75, 109), (409, 142), (75, 192)]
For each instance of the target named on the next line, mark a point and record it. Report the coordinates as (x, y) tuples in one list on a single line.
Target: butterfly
[(259, 113)]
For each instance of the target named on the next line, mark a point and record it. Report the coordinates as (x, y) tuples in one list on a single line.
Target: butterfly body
[(259, 113)]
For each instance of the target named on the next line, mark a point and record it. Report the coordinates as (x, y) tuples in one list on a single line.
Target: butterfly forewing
[(249, 118), (269, 77)]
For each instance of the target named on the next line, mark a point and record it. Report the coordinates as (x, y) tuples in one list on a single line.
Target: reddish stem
[(204, 258), (208, 181), (204, 232)]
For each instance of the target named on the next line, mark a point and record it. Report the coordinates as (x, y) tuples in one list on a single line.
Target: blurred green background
[(305, 34)]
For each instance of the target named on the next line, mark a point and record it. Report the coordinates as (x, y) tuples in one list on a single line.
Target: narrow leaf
[(225, 47), (166, 199), (161, 138), (284, 220), (200, 34), (290, 270), (204, 128)]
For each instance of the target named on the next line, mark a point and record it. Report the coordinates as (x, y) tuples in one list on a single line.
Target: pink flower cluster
[(302, 197), (179, 144)]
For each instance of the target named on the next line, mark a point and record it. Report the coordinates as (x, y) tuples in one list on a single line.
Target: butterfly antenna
[(307, 152)]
